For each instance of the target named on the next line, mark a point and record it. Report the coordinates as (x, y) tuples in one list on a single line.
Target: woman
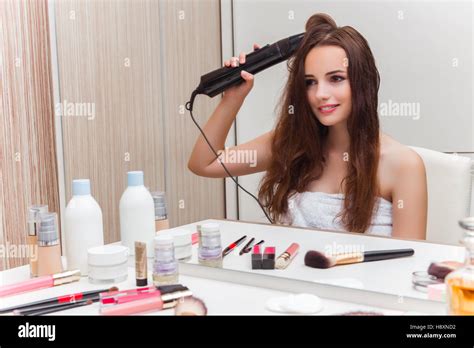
[(327, 163)]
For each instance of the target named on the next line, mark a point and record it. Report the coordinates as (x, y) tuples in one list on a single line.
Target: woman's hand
[(240, 91)]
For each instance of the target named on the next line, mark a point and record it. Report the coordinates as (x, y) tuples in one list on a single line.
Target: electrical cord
[(189, 106)]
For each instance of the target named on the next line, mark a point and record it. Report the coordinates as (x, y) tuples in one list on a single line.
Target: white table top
[(221, 298), (383, 286), (392, 277)]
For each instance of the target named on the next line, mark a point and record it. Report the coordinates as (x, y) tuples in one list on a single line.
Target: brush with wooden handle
[(316, 259)]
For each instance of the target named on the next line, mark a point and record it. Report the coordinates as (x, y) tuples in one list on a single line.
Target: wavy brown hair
[(297, 157)]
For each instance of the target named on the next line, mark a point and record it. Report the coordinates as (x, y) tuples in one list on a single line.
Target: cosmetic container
[(107, 264), (421, 280), (182, 240), (137, 213), (460, 283), (83, 225), (34, 212), (161, 214), (165, 266), (210, 246), (268, 260), (256, 257), (49, 250), (141, 272)]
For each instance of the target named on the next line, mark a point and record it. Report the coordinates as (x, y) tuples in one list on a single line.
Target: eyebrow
[(329, 73)]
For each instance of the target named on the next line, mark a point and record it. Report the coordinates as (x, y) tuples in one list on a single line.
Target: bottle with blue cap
[(83, 225), (137, 213)]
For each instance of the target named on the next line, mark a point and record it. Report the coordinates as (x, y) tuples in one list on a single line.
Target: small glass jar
[(107, 264), (210, 246), (421, 280), (165, 266)]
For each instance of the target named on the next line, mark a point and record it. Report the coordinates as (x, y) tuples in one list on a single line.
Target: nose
[(322, 92)]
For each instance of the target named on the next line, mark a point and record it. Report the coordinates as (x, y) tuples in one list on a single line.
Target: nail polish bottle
[(49, 250)]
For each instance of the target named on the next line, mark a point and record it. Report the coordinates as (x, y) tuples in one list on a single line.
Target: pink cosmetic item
[(285, 259), (195, 238), (256, 257), (154, 301), (118, 297), (41, 282), (437, 292), (268, 260)]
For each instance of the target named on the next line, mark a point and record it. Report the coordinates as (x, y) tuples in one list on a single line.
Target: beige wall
[(137, 62), (28, 171)]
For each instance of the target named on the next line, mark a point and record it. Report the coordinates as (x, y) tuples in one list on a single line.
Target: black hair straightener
[(219, 80)]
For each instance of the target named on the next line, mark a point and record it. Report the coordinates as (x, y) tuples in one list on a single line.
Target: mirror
[(139, 68)]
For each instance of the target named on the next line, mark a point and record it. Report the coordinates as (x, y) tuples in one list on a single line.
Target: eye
[(337, 78), (310, 82)]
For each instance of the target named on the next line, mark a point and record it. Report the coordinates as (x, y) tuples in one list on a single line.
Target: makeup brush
[(442, 269), (316, 259), (190, 306), (64, 307)]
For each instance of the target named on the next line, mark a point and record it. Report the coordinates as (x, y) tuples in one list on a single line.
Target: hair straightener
[(219, 80)]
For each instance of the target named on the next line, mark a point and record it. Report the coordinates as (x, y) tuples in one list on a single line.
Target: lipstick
[(256, 257), (285, 259), (124, 296), (268, 260), (156, 301), (47, 281)]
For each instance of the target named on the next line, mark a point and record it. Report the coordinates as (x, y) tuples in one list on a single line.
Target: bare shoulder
[(399, 158)]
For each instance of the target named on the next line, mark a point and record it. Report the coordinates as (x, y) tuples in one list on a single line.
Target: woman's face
[(327, 84)]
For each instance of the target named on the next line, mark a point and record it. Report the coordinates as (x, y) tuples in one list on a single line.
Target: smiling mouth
[(328, 109)]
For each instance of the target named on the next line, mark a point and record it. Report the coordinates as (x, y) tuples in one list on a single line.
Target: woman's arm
[(409, 196), (251, 157)]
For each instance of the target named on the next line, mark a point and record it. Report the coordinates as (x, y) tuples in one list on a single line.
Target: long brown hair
[(297, 157)]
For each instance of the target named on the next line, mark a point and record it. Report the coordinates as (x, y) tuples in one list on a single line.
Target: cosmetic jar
[(107, 264), (182, 244), (210, 246), (422, 279), (165, 266)]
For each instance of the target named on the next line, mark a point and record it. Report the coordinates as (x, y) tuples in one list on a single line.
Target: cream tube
[(141, 273)]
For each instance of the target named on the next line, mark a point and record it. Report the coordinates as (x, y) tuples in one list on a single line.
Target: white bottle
[(83, 225), (137, 214)]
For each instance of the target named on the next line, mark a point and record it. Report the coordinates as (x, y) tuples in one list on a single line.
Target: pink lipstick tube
[(153, 303), (285, 259), (146, 302), (119, 297), (41, 282)]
